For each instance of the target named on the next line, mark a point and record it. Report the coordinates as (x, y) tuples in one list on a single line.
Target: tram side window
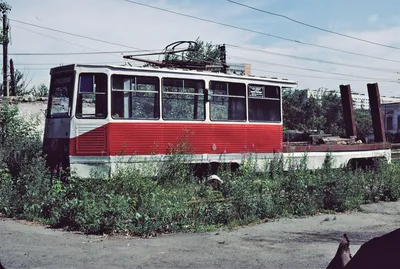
[(183, 99), (227, 101), (92, 96), (135, 97), (264, 103)]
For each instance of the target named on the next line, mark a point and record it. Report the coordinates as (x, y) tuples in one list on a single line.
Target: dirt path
[(287, 243)]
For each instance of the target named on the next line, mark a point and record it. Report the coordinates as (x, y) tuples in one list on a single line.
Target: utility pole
[(5, 54)]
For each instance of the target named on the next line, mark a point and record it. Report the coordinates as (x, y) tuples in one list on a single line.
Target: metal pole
[(348, 110), (5, 55), (376, 112)]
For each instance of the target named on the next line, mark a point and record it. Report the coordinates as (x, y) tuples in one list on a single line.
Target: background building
[(391, 117), (360, 100), (239, 69)]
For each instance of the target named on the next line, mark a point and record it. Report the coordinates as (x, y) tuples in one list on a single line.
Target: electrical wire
[(77, 35), (52, 37), (264, 51), (308, 76), (313, 26), (67, 53), (312, 70), (54, 64), (316, 60), (250, 30)]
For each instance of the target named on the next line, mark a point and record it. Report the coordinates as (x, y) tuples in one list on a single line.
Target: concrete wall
[(30, 107)]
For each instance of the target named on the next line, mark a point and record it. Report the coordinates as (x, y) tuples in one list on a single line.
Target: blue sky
[(129, 24)]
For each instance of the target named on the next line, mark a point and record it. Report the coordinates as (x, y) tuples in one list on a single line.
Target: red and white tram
[(100, 114)]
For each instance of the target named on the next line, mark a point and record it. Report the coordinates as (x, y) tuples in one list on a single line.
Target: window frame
[(70, 88), (389, 122), (204, 94), (79, 93), (210, 95), (135, 77), (398, 122), (277, 99)]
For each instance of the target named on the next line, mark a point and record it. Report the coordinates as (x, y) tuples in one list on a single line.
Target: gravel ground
[(287, 243)]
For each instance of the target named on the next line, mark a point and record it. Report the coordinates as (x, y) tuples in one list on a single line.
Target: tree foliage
[(332, 111), (40, 90), (22, 83), (325, 114), (301, 113), (4, 9), (203, 52), (363, 122)]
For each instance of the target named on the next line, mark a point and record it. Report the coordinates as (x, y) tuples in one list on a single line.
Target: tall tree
[(293, 113), (21, 83), (313, 115), (300, 112), (332, 111), (363, 122), (325, 114)]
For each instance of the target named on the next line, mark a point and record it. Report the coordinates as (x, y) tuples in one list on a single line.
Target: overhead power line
[(312, 70), (72, 43), (308, 76), (250, 30), (264, 51), (77, 35), (71, 53), (54, 64), (316, 60), (34, 69), (313, 26), (52, 37), (58, 39)]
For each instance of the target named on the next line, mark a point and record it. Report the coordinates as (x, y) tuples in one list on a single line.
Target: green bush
[(382, 184), (24, 180), (134, 201)]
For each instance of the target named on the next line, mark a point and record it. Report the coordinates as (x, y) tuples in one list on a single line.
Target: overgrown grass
[(133, 201)]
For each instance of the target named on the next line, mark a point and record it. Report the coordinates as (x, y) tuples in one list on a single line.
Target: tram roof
[(177, 71)]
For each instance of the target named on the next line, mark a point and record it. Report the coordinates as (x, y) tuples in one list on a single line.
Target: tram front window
[(60, 96)]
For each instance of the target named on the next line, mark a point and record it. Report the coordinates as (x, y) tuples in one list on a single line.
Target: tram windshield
[(60, 97)]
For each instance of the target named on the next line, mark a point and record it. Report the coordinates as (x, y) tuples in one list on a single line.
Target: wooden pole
[(5, 55)]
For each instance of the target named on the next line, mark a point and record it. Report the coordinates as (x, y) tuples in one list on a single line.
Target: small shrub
[(382, 184)]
